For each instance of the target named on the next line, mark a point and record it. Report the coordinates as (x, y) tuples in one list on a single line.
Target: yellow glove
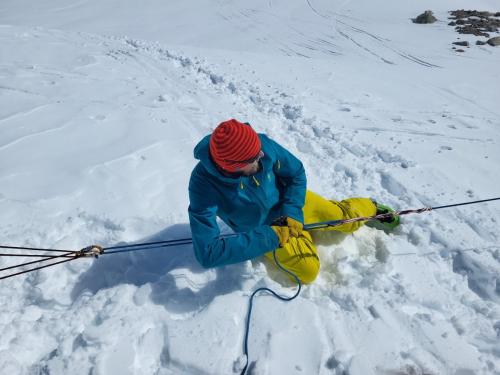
[(283, 234), (296, 227)]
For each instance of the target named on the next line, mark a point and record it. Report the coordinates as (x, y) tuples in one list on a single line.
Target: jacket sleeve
[(210, 249), (292, 175)]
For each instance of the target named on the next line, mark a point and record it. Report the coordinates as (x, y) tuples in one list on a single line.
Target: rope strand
[(35, 249), (36, 261), (161, 244), (144, 244), (185, 241), (96, 250), (250, 306), (38, 268), (32, 255)]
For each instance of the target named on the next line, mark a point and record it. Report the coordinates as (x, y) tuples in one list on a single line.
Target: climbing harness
[(95, 251)]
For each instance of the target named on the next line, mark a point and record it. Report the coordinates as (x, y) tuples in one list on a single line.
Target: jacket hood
[(202, 153)]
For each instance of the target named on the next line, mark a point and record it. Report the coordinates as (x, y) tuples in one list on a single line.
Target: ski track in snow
[(362, 289), (343, 28)]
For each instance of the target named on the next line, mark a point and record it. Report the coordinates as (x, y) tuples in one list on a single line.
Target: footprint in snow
[(391, 185)]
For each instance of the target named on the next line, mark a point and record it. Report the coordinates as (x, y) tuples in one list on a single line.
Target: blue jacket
[(246, 204)]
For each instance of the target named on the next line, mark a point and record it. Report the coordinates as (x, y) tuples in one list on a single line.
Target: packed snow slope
[(101, 104)]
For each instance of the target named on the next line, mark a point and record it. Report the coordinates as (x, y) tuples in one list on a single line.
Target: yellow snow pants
[(299, 255)]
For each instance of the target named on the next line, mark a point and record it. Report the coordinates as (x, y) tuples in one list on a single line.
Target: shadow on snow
[(155, 267)]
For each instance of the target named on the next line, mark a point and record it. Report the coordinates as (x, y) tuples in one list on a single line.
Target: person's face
[(252, 167)]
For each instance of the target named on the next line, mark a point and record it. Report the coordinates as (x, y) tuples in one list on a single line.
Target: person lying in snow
[(258, 188)]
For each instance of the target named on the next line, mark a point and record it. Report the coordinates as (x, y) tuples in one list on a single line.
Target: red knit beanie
[(232, 144)]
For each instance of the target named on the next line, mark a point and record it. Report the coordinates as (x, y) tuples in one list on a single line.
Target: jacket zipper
[(259, 199)]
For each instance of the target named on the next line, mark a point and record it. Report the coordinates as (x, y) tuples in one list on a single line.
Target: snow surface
[(101, 104)]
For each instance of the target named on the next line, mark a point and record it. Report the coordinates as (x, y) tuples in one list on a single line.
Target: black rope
[(35, 249), (154, 245), (334, 223), (144, 244), (88, 251), (38, 261), (465, 203), (141, 247), (74, 254), (186, 241), (32, 255), (38, 268)]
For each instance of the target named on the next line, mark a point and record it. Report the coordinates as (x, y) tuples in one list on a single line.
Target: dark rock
[(460, 50), (452, 24), (494, 41), (484, 14), (426, 17), (480, 43), (474, 22), (462, 43), (470, 13)]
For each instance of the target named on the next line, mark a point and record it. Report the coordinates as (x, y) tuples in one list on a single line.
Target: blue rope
[(185, 241), (250, 305)]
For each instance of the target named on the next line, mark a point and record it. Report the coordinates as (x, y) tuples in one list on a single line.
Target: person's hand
[(295, 227), (283, 234), (285, 226)]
